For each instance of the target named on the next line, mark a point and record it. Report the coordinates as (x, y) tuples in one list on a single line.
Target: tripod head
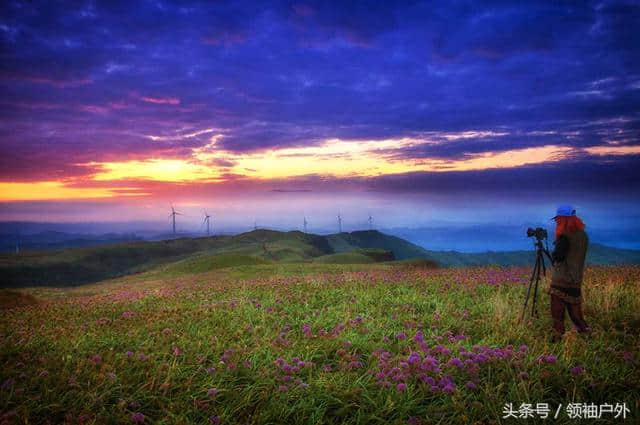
[(539, 234)]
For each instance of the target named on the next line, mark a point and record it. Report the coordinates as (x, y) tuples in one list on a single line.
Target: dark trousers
[(558, 306)]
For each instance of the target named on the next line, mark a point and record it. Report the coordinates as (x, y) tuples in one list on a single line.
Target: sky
[(417, 112)]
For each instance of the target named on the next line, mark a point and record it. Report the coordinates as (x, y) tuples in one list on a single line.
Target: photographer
[(568, 267)]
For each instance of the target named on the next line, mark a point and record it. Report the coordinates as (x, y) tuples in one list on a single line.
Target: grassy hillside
[(81, 266), (401, 249), (359, 256), (77, 266), (309, 343)]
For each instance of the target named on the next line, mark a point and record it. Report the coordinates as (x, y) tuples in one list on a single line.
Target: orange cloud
[(50, 190), (334, 158)]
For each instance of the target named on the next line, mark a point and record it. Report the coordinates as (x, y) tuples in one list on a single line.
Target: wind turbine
[(255, 225), (304, 223), (370, 222), (206, 220), (173, 215), (339, 223)]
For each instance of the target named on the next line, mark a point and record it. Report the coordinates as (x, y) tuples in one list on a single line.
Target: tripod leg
[(540, 266), (526, 300)]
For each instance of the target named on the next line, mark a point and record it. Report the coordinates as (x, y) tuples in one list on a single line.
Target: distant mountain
[(496, 237), (190, 255), (55, 240), (596, 254)]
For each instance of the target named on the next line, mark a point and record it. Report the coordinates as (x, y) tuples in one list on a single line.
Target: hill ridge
[(261, 246)]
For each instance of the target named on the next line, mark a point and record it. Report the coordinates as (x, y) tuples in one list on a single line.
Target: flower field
[(268, 344)]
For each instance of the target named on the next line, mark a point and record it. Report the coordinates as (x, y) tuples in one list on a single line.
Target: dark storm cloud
[(92, 81)]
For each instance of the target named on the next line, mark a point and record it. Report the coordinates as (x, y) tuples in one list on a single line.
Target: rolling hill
[(192, 255)]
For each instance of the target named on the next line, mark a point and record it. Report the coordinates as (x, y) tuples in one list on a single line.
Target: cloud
[(136, 83), (161, 100)]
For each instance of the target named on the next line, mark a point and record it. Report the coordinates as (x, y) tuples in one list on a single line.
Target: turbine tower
[(173, 215), (206, 220), (339, 223), (304, 224), (255, 225), (370, 222)]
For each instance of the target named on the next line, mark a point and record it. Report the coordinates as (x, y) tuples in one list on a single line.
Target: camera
[(539, 233)]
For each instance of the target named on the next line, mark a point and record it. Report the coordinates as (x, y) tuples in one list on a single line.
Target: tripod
[(535, 277)]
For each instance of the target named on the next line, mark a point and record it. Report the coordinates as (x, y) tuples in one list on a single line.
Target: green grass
[(208, 262), (192, 327), (86, 265), (80, 266), (360, 256)]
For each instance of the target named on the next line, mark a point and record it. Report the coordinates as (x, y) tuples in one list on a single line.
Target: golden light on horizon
[(613, 150), (50, 190), (168, 170), (333, 158)]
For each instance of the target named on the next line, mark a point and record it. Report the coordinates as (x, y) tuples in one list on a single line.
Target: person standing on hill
[(568, 266)]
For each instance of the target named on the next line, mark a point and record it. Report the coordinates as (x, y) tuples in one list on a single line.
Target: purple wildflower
[(471, 385), (354, 365), (550, 359), (214, 420), (578, 370), (402, 387), (401, 336), (137, 418), (212, 392), (449, 388), (481, 358), (8, 383), (306, 329), (413, 420), (455, 362), (414, 358)]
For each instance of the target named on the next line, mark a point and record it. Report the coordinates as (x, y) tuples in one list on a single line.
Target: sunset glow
[(187, 100), (50, 190)]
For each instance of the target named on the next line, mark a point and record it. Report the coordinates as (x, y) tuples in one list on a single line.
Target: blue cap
[(564, 211)]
